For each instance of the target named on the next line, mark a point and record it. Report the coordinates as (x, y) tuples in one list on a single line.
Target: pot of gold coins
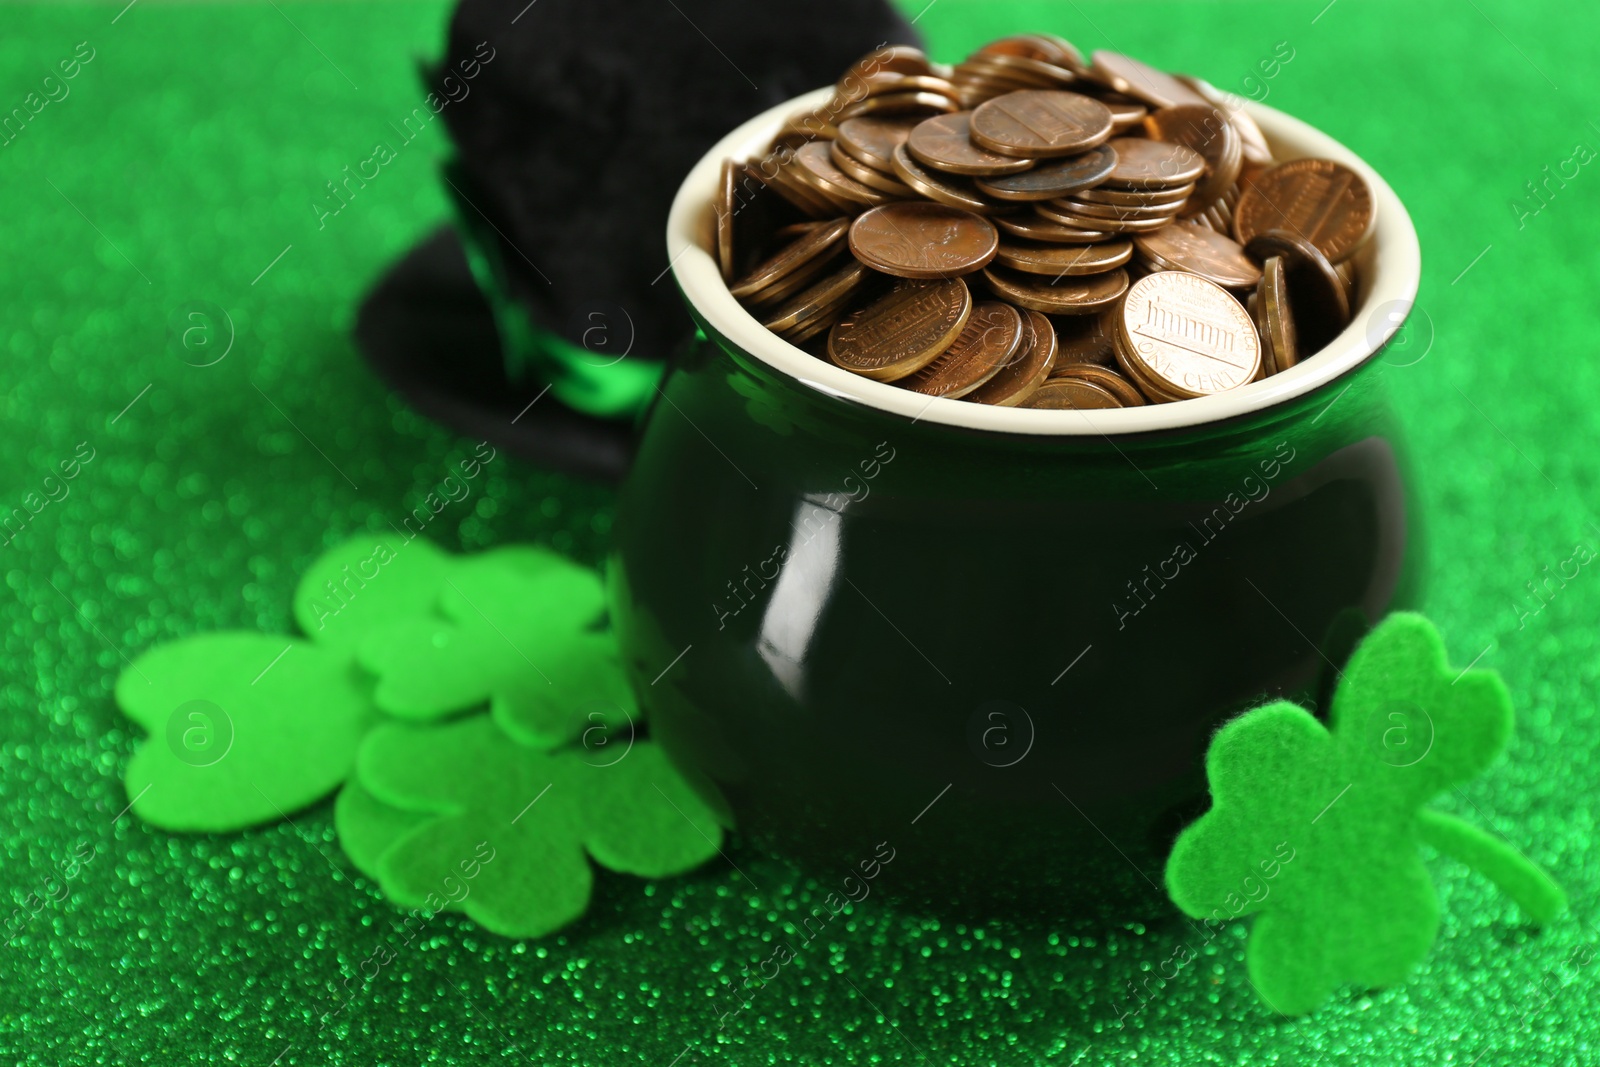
[(1034, 429)]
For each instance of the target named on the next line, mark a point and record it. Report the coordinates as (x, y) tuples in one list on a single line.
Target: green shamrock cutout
[(367, 581), (245, 728), (517, 628), (505, 828), (1315, 829), (366, 826)]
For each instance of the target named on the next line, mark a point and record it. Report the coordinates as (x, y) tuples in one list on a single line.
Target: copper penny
[(1173, 197), (819, 243), (1185, 336), (1074, 296), (943, 143), (1140, 80), (885, 82), (872, 138), (1126, 393), (1147, 164), (901, 331), (826, 297), (1206, 130), (1039, 229), (1030, 72), (1324, 202), (814, 166), (1119, 212), (1053, 178), (990, 339), (1087, 338), (1126, 114), (898, 104), (949, 189), (779, 177), (1027, 370), (1318, 299), (1040, 123), (1127, 221), (873, 179), (1074, 394), (1256, 148), (1042, 46), (1211, 255), (916, 239), (1062, 260), (894, 59), (727, 184), (1274, 321)]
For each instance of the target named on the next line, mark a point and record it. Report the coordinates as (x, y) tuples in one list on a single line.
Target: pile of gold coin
[(1030, 228)]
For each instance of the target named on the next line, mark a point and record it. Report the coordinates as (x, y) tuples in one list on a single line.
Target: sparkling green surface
[(187, 159)]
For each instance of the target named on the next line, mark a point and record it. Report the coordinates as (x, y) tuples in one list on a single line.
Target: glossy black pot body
[(1001, 654)]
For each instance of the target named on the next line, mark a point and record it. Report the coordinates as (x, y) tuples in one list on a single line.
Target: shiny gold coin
[(943, 143), (1184, 336), (1074, 296), (1040, 123), (901, 331), (1106, 378), (1147, 164), (872, 138), (1213, 256), (873, 179), (916, 239), (1087, 338), (1038, 229), (826, 297), (1074, 394), (898, 104), (1206, 130), (1274, 321), (949, 189), (1053, 178), (1140, 80), (1064, 260), (990, 339), (793, 257), (727, 186), (1027, 370), (1324, 202)]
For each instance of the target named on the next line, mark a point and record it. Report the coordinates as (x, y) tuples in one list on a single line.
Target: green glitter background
[(184, 163)]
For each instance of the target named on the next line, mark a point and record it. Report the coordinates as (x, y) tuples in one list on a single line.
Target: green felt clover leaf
[(507, 830), (366, 581), (1315, 830), (245, 728), (517, 628)]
